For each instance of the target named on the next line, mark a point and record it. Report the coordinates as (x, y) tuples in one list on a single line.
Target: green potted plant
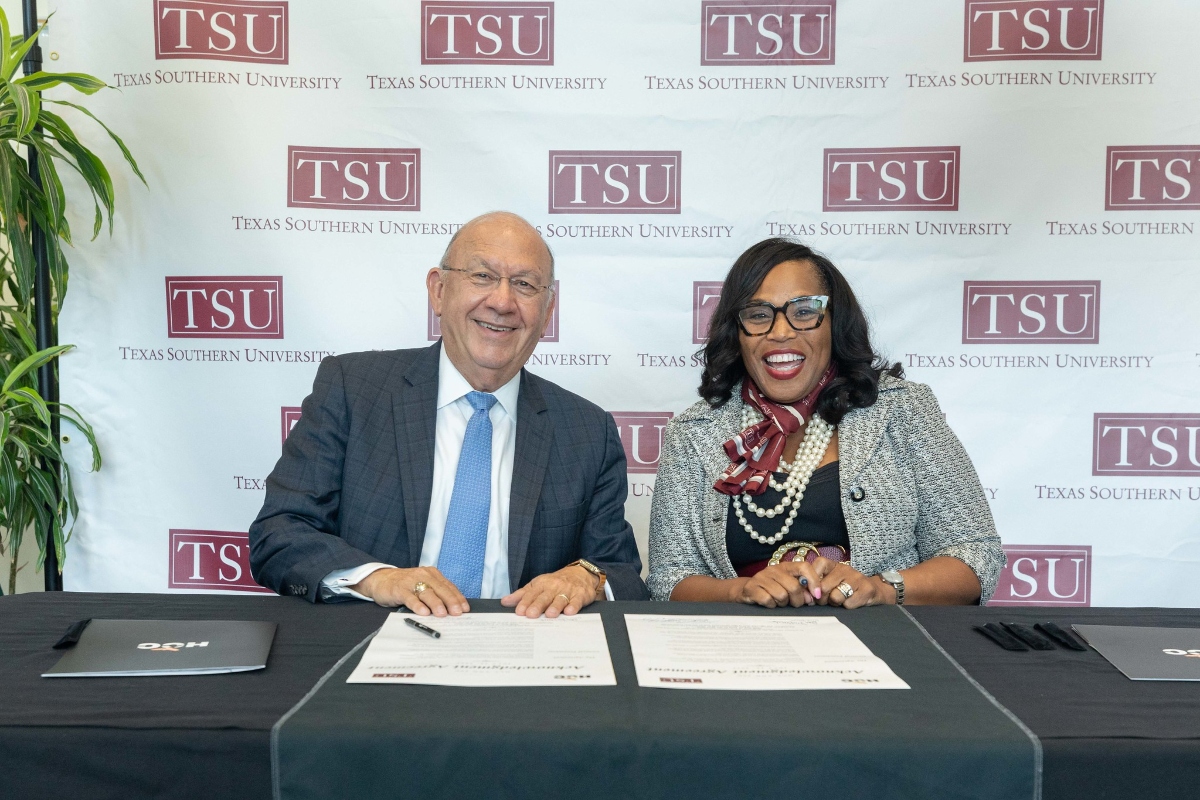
[(35, 482)]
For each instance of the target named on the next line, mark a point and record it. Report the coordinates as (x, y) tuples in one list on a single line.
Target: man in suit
[(429, 476)]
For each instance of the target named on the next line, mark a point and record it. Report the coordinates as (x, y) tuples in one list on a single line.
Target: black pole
[(43, 312)]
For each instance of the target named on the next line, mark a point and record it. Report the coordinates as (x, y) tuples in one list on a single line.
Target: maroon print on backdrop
[(642, 436), (1145, 444), (364, 178), (225, 307), (1045, 575), (891, 179), (1031, 312), (705, 295), (434, 322), (288, 417), (615, 181), (1033, 30), (750, 33), (211, 560), (1165, 177), (242, 31), (487, 33)]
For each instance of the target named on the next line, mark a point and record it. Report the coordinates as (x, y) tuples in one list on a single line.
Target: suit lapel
[(859, 435), (534, 437), (414, 408)]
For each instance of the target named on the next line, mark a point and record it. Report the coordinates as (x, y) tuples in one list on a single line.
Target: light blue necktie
[(465, 539)]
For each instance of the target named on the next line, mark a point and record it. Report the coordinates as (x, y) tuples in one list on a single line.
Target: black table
[(1103, 736)]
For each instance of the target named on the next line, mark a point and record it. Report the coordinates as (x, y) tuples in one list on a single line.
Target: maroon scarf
[(754, 453)]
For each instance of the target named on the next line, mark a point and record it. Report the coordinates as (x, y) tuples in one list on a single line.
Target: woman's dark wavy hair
[(859, 366)]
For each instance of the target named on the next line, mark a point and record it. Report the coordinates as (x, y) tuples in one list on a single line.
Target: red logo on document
[(434, 322), (1145, 444), (487, 33), (225, 307), (1033, 30), (211, 560), (1155, 177), (705, 296), (1045, 575), (242, 31), (891, 179), (642, 436), (1031, 312), (364, 178), (751, 33), (288, 417), (614, 181)]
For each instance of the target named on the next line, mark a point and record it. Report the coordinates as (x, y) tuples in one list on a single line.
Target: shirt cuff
[(608, 595), (338, 582)]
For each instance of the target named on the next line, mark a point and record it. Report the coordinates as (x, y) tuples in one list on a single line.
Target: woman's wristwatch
[(896, 581)]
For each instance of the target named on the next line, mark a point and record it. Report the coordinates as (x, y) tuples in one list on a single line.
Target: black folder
[(126, 647), (1147, 654)]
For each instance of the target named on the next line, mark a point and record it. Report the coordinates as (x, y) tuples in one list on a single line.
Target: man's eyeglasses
[(487, 281), (802, 313)]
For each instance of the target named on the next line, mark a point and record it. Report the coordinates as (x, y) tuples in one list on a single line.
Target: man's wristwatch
[(896, 581), (592, 568)]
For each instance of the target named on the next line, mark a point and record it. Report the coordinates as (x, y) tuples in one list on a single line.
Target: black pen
[(422, 628)]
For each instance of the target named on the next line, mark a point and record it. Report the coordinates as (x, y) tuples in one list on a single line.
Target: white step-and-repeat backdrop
[(1012, 186)]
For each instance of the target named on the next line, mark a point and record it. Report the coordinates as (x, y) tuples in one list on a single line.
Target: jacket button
[(857, 494)]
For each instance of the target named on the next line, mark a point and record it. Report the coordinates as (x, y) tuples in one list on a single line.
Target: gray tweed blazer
[(909, 491)]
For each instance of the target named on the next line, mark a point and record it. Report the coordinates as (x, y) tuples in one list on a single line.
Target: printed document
[(489, 650), (753, 653)]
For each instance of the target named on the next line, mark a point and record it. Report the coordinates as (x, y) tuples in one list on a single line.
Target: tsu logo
[(242, 31), (642, 436), (1028, 30), (1031, 312), (1145, 444), (288, 417), (366, 179), (614, 181), (487, 33), (231, 307), (743, 32), (705, 295), (1045, 575), (211, 560), (891, 179), (1154, 177), (434, 322)]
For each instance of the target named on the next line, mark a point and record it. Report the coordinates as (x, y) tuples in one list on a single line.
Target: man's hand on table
[(392, 587), (567, 591)]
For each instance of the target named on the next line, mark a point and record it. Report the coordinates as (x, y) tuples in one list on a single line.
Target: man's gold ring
[(420, 587), (846, 589), (563, 596)]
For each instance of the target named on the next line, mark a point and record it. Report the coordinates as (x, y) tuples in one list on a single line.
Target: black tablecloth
[(170, 737), (204, 737), (1103, 735), (942, 738)]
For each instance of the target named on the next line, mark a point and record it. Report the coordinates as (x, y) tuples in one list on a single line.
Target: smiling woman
[(811, 472)]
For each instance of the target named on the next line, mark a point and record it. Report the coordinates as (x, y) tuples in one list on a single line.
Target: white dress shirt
[(453, 414)]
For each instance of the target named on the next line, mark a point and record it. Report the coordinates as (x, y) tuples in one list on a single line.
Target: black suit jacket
[(356, 475)]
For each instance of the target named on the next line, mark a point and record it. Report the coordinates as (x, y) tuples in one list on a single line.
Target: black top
[(820, 519)]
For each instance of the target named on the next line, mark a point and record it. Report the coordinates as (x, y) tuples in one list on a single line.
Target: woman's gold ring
[(846, 589), (420, 587)]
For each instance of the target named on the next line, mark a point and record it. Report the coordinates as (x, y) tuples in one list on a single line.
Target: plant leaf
[(33, 362), (41, 81)]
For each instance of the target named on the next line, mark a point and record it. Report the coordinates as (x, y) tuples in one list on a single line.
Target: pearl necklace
[(808, 456)]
